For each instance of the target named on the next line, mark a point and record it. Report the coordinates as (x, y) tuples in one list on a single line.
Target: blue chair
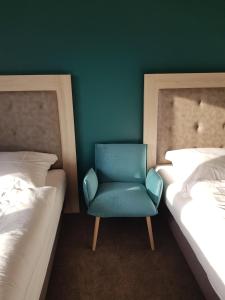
[(119, 186)]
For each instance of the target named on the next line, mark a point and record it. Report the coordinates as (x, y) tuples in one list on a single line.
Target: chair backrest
[(121, 162)]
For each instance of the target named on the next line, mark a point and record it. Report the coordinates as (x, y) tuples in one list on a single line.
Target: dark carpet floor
[(123, 266)]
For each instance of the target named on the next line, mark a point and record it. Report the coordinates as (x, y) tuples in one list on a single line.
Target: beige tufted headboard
[(183, 111), (30, 121), (36, 114)]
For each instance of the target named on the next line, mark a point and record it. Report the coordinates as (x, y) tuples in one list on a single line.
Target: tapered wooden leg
[(149, 225), (95, 236)]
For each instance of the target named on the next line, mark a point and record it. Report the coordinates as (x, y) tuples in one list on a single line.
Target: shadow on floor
[(123, 266)]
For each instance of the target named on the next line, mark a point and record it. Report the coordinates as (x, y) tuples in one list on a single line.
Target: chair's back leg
[(150, 233), (95, 236)]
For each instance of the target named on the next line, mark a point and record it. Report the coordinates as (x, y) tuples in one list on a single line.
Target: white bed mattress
[(32, 256), (204, 230)]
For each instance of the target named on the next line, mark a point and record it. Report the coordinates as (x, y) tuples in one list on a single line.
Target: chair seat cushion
[(121, 199)]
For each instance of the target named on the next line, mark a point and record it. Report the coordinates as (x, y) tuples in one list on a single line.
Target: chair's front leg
[(150, 233), (95, 236)]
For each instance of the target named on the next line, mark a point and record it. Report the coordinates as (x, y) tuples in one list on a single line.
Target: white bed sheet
[(168, 174), (23, 269), (55, 178), (203, 229)]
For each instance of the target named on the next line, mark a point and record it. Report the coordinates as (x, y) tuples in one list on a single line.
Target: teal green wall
[(107, 46)]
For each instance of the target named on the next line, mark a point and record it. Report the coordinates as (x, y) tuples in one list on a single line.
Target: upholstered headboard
[(183, 111), (36, 114), (30, 121)]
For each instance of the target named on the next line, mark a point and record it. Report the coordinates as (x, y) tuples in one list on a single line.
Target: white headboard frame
[(153, 83), (61, 85)]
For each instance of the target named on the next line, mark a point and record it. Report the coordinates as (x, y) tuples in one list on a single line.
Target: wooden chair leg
[(95, 236), (150, 233)]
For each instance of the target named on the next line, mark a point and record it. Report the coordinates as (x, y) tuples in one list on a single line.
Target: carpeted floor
[(123, 266)]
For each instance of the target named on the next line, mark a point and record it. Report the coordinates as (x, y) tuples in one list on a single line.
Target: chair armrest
[(90, 186), (154, 186)]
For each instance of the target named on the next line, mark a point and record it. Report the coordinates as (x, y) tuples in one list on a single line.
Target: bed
[(36, 134), (183, 111)]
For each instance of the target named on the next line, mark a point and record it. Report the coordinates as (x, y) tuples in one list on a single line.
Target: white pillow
[(26, 167), (197, 164)]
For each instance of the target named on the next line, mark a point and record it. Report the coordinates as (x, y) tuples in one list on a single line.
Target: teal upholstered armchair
[(119, 186)]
